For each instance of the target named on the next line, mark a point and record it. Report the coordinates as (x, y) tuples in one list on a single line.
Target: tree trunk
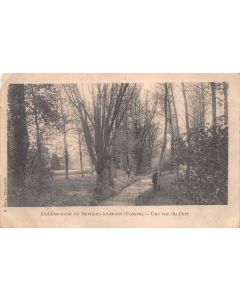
[(175, 110), (138, 157), (127, 162), (102, 178), (104, 174), (202, 105), (40, 162), (19, 141), (92, 167), (177, 127), (215, 150), (149, 155), (110, 172), (214, 104), (114, 164), (109, 105), (165, 135), (127, 141), (64, 118), (65, 152), (38, 135), (138, 165), (40, 170), (188, 136), (225, 93), (172, 133), (80, 153)]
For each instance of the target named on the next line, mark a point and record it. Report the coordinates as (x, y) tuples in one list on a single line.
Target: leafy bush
[(209, 164)]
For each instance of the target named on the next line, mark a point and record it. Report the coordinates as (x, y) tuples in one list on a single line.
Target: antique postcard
[(120, 150)]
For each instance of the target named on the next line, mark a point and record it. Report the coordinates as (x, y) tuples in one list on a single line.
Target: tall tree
[(188, 135), (151, 142), (214, 104), (164, 145), (101, 118), (175, 109), (170, 120), (36, 114), (42, 117), (64, 120), (76, 128), (79, 132), (177, 136), (225, 93), (203, 108), (141, 123), (18, 141), (126, 125)]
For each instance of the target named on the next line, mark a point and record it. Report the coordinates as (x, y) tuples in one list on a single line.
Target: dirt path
[(167, 195), (130, 193), (141, 193)]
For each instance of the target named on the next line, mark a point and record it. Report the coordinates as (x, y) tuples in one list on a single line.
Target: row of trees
[(99, 116), (202, 146), (116, 113), (121, 121)]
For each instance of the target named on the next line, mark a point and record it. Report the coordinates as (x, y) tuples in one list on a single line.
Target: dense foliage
[(209, 164)]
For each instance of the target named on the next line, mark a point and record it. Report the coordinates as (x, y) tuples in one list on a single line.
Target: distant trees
[(78, 130), (69, 124), (141, 130), (63, 122), (55, 162), (80, 147)]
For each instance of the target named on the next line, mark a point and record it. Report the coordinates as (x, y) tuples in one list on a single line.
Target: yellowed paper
[(143, 99)]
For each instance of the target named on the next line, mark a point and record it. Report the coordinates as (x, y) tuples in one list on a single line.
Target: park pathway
[(130, 193)]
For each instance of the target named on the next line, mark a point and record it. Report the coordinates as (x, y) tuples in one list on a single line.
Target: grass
[(77, 191)]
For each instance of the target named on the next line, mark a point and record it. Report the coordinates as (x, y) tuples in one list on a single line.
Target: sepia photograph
[(117, 144), (119, 150)]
